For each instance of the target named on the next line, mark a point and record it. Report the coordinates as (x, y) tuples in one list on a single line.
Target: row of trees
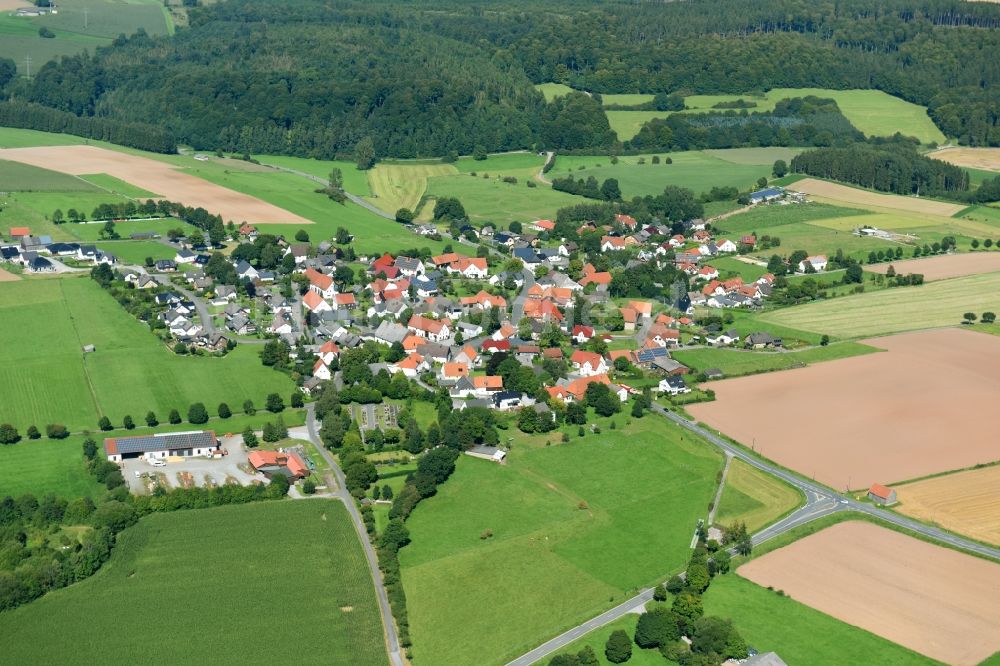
[(609, 190), (10, 435)]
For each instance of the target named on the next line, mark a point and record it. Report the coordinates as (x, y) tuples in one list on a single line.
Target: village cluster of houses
[(34, 253)]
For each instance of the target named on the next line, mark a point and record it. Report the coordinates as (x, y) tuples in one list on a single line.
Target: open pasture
[(34, 210), (564, 517), (46, 378), (965, 502), (698, 171), (936, 601), (45, 466), (738, 362), (217, 559), (396, 186), (626, 124), (852, 195), (493, 200), (155, 176), (119, 186), (895, 310), (986, 159), (355, 180), (553, 90), (944, 266), (872, 418)]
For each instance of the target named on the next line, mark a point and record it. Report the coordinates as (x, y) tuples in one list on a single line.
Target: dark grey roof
[(165, 442), (649, 355)]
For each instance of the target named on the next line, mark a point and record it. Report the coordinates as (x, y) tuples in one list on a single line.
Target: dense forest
[(439, 77), (886, 166)]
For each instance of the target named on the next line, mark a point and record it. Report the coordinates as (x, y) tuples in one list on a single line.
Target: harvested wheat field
[(964, 502), (884, 417), (936, 601), (943, 266), (7, 276), (11, 5), (155, 176), (974, 158), (835, 192)]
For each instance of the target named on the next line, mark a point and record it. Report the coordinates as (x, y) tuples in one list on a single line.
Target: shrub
[(308, 487), (175, 417), (618, 649), (224, 411), (104, 423), (33, 433), (197, 413), (57, 431), (8, 434)]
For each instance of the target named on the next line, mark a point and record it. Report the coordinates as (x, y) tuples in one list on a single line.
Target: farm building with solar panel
[(183, 444)]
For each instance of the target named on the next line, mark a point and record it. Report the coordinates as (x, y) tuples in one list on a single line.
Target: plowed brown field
[(936, 601), (861, 198), (155, 176), (944, 266), (877, 418), (964, 502), (975, 158)]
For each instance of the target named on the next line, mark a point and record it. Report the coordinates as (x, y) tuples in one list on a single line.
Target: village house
[(320, 283), (587, 363), (673, 385), (433, 329)]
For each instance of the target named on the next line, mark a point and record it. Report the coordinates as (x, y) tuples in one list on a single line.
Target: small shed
[(881, 495), (87, 349)]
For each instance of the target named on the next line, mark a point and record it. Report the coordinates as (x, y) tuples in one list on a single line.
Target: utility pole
[(27, 65)]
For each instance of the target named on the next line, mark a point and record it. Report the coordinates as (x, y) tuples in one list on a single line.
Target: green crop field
[(737, 362), (75, 30), (939, 303), (18, 177), (753, 497), (305, 590), (396, 186), (492, 200), (553, 90), (798, 633), (564, 518), (117, 186), (698, 171), (45, 377)]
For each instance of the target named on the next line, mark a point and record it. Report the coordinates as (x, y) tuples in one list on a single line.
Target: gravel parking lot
[(204, 471)]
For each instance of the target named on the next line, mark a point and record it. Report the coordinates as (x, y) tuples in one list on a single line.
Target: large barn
[(185, 444)]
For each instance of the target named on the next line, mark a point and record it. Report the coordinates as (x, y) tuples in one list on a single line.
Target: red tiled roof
[(880, 491), (318, 280)]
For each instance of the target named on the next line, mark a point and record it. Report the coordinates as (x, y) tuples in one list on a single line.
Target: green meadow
[(355, 180), (46, 378), (553, 90), (118, 186), (19, 177), (309, 577), (697, 171), (754, 498), (560, 520), (737, 362), (490, 199)]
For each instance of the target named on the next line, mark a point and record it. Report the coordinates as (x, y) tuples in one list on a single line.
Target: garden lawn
[(45, 377), (940, 303), (754, 498), (308, 576), (492, 200), (576, 528), (799, 634), (737, 362), (697, 171)]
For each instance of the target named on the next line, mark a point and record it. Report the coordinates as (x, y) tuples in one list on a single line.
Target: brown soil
[(919, 409), (936, 601), (11, 5), (965, 502), (7, 276), (987, 159), (155, 176), (862, 198), (944, 266)]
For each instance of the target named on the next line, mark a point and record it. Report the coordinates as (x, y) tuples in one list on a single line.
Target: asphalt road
[(392, 638), (820, 501), (517, 308)]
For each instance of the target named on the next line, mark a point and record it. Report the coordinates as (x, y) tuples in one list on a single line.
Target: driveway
[(204, 470)]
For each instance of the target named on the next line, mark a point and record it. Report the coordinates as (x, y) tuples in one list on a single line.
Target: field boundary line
[(83, 359)]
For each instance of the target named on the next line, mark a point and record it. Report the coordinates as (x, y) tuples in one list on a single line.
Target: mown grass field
[(401, 185), (355, 180), (553, 90), (625, 99), (872, 111), (135, 252), (18, 177), (940, 303), (500, 163), (564, 518), (74, 33), (492, 200), (34, 210), (735, 363), (698, 171), (799, 634), (726, 265), (753, 497), (45, 466), (46, 378), (92, 232), (309, 578)]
